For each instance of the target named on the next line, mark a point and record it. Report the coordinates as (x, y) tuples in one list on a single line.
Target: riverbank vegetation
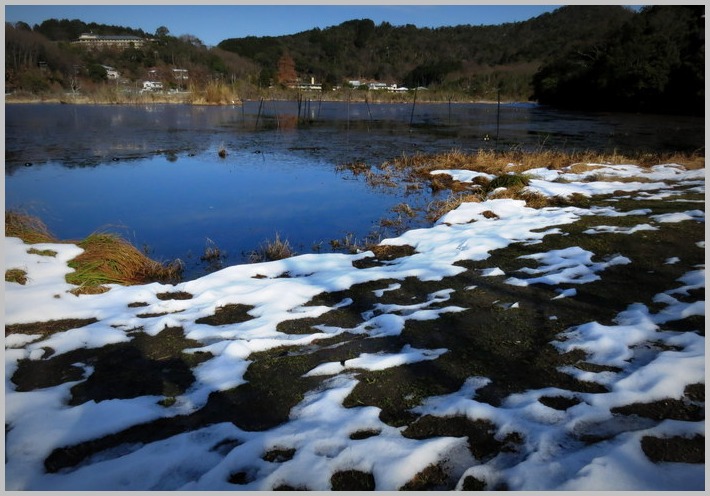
[(594, 57), (501, 174), (107, 257)]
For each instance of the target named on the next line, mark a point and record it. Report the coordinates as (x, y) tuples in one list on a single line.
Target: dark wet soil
[(508, 344)]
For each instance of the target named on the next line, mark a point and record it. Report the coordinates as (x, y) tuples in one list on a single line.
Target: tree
[(653, 63), (286, 72), (22, 26), (192, 40), (266, 77), (97, 73), (162, 32)]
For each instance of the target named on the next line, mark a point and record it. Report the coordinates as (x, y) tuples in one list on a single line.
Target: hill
[(478, 60)]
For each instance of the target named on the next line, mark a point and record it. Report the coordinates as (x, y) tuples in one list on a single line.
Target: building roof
[(112, 37)]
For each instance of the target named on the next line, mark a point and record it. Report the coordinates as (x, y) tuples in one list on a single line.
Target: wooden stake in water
[(498, 118), (300, 101), (276, 113), (450, 110), (348, 117), (414, 104), (368, 113), (258, 114)]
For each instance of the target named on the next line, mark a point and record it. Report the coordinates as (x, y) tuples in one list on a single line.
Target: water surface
[(153, 173)]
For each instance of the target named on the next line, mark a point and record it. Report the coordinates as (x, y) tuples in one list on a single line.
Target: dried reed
[(271, 250), (28, 228), (110, 259)]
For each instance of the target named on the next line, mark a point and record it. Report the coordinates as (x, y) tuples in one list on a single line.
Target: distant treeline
[(587, 57)]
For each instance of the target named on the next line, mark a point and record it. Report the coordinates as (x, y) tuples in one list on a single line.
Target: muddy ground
[(511, 346)]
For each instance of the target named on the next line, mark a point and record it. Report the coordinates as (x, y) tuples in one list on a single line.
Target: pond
[(154, 175)]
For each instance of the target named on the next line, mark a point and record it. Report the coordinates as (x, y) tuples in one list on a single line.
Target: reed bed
[(518, 161), (214, 93), (508, 167)]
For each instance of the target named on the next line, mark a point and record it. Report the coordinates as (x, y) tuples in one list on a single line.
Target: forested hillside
[(475, 60), (653, 62), (591, 57)]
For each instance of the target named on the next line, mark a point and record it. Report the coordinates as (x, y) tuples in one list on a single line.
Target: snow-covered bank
[(639, 361)]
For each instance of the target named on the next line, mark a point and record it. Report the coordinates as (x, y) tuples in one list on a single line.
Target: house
[(180, 74), (95, 41), (307, 86), (152, 86), (375, 85), (111, 73)]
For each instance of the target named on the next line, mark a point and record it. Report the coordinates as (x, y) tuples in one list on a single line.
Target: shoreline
[(182, 99)]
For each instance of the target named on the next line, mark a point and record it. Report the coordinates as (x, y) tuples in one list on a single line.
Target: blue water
[(153, 173)]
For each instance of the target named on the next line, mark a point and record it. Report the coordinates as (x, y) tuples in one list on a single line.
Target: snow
[(698, 215), (644, 362), (570, 265), (464, 176), (378, 361)]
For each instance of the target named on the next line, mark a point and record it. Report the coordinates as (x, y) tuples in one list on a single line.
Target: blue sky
[(214, 23)]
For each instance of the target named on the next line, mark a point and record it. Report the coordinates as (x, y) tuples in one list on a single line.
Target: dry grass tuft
[(16, 275), (43, 253), (212, 251), (271, 250), (510, 181), (109, 259), (438, 208), (28, 228), (533, 199)]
